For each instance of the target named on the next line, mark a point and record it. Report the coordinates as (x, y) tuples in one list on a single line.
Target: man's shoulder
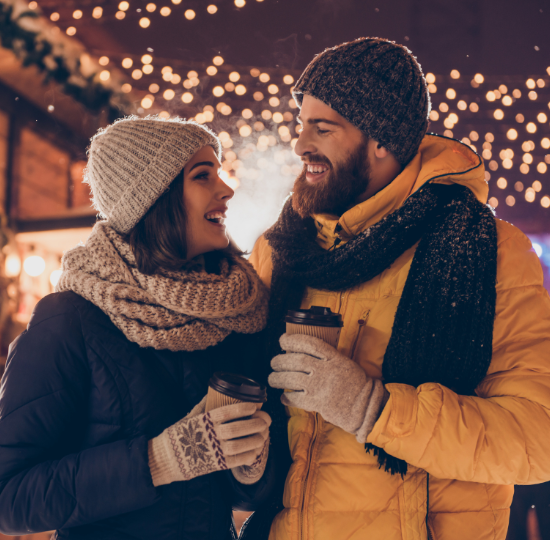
[(517, 263), (261, 260)]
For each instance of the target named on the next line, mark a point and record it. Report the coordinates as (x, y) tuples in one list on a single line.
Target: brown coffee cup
[(229, 388), (319, 322)]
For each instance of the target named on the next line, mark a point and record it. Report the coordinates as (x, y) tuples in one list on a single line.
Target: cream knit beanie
[(132, 162)]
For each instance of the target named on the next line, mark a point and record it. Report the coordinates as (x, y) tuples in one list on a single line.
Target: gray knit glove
[(325, 381), (202, 443)]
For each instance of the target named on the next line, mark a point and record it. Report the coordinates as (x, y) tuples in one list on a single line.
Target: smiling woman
[(104, 431)]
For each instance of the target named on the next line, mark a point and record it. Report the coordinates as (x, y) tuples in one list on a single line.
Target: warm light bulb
[(54, 277), (13, 265), (34, 265)]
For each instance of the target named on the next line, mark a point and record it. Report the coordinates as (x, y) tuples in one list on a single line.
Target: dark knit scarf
[(443, 329)]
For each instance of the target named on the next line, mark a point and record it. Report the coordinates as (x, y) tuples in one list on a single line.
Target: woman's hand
[(202, 443)]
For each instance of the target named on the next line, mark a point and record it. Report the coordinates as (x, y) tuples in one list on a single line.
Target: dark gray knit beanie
[(376, 85)]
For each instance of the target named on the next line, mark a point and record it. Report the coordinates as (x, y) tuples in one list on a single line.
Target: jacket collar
[(438, 159)]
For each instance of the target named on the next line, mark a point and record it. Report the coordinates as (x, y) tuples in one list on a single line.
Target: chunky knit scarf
[(182, 310), (443, 327)]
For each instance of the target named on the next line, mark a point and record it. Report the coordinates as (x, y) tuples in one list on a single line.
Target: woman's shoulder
[(60, 305)]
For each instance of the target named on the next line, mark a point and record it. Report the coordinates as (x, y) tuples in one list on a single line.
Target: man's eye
[(321, 131)]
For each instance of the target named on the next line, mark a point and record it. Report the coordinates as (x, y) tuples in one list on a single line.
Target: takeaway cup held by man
[(319, 322)]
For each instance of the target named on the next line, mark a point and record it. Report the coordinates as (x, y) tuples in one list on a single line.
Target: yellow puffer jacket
[(467, 452)]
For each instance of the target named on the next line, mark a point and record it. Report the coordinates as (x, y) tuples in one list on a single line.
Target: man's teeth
[(316, 169), (215, 217)]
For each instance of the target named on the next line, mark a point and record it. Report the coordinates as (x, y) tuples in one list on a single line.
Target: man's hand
[(325, 381)]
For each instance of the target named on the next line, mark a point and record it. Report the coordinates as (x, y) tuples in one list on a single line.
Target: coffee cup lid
[(315, 316), (238, 387)]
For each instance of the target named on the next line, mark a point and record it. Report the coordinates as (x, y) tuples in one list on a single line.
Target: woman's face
[(205, 196)]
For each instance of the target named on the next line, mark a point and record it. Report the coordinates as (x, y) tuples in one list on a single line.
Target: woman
[(103, 432)]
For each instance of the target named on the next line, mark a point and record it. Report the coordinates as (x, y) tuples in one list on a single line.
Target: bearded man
[(437, 398)]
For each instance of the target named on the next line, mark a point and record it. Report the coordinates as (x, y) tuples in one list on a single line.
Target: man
[(437, 400)]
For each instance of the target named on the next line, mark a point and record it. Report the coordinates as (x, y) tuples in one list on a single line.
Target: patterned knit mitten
[(205, 443), (250, 474)]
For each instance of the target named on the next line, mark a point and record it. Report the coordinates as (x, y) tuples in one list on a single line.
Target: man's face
[(336, 168)]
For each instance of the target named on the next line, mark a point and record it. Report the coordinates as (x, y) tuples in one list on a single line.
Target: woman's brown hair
[(159, 239)]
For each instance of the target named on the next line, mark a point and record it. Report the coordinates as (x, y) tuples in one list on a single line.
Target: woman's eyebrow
[(207, 163)]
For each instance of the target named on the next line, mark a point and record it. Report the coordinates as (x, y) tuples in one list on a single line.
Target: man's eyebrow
[(318, 121), (207, 163)]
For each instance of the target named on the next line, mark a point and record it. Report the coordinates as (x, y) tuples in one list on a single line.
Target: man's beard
[(340, 189)]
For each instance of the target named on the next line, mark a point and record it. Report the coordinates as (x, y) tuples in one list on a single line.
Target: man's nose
[(304, 145)]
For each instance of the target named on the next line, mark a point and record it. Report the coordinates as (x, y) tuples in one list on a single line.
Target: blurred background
[(70, 67)]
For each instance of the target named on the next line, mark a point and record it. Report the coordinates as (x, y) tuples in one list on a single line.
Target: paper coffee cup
[(319, 322), (229, 388)]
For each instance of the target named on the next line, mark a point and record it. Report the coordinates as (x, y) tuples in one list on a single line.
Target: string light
[(168, 94), (212, 9), (455, 74), (120, 15), (126, 88), (144, 22), (147, 69), (151, 7), (264, 77), (240, 90), (127, 63), (273, 89), (240, 3), (147, 101), (54, 16), (71, 31), (217, 60), (165, 11), (189, 14), (97, 13), (123, 6), (77, 14), (187, 97)]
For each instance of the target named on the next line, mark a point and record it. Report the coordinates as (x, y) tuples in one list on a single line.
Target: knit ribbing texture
[(376, 85), (182, 310), (132, 162), (443, 328)]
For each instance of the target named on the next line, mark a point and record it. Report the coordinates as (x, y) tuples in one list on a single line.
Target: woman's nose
[(224, 191)]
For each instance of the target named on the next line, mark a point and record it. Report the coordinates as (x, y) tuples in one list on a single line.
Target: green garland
[(32, 50)]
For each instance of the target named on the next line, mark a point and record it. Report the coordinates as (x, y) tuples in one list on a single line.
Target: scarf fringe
[(391, 464)]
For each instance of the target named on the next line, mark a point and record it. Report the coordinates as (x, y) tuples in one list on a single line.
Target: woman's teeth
[(317, 169), (215, 217)]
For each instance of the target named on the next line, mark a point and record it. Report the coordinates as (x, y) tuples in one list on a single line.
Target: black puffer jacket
[(78, 404)]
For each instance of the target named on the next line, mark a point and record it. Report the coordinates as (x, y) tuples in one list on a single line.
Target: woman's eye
[(202, 176)]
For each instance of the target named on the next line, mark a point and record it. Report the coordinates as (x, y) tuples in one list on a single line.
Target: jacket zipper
[(306, 479), (362, 323)]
